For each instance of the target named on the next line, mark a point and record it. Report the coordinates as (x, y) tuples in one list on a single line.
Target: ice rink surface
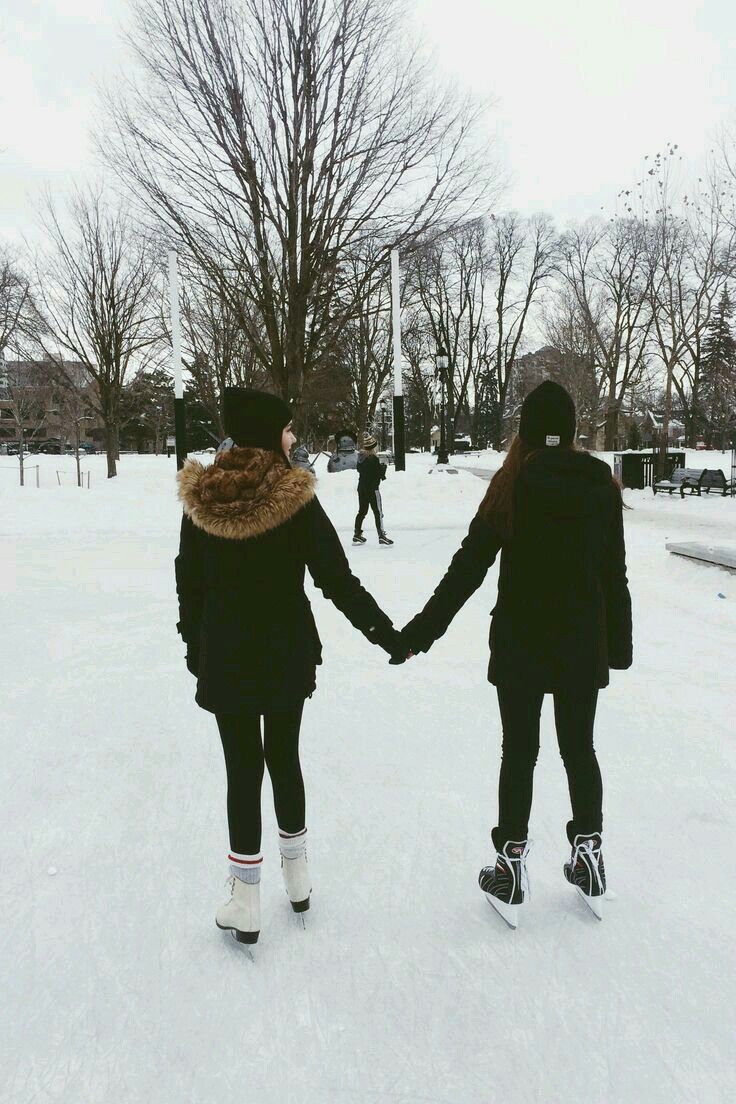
[(405, 987)]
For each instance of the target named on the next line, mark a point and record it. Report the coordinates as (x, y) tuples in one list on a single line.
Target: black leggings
[(245, 755), (369, 500), (574, 720)]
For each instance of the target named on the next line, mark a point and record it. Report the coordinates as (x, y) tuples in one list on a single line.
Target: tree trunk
[(111, 440)]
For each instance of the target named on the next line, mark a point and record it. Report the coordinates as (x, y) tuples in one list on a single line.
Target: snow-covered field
[(405, 987)]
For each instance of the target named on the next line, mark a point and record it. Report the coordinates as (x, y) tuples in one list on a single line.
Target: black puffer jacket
[(563, 614), (251, 525)]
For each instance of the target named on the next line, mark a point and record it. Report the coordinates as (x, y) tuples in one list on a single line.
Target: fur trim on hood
[(246, 492)]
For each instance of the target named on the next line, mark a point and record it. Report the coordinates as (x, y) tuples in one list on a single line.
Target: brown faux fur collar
[(244, 493)]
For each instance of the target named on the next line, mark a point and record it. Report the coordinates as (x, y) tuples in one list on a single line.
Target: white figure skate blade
[(508, 913)]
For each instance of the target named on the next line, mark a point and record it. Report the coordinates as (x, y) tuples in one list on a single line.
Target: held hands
[(401, 651), (397, 660)]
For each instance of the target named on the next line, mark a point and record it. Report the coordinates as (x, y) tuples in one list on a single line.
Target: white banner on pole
[(396, 317), (175, 325)]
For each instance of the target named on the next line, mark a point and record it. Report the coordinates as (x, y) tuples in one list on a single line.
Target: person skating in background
[(371, 472), (561, 620), (251, 525)]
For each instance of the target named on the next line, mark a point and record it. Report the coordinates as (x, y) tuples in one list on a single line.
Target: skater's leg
[(376, 507), (363, 507), (241, 742), (575, 719), (520, 713), (281, 745)]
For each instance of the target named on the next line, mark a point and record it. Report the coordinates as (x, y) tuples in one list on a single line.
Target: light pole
[(441, 362), (383, 425), (399, 432)]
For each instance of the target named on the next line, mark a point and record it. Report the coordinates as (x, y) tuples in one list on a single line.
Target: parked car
[(51, 448)]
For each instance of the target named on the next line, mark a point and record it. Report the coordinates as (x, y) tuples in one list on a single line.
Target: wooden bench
[(682, 478), (714, 480)]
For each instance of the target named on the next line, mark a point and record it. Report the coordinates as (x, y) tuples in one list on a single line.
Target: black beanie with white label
[(547, 417)]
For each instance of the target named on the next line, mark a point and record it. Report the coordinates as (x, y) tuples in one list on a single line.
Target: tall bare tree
[(524, 255), (604, 267), (98, 294), (274, 136), (16, 302)]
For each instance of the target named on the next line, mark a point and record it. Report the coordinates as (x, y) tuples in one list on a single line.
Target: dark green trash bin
[(636, 469)]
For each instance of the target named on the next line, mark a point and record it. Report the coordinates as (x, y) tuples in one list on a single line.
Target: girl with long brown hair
[(561, 621)]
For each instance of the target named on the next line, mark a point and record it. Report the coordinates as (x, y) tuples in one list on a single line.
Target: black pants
[(369, 500), (574, 720), (245, 755)]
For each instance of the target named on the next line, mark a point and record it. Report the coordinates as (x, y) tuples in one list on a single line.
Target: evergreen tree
[(718, 388)]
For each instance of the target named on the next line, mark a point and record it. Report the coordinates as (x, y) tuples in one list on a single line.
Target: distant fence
[(26, 469), (74, 480)]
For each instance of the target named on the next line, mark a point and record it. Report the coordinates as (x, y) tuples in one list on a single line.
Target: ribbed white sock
[(292, 844), (246, 867)]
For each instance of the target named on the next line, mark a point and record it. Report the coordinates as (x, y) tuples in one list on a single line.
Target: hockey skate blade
[(508, 913), (595, 904)]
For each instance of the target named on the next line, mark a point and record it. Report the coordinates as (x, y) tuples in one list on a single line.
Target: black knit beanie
[(547, 417), (255, 419)]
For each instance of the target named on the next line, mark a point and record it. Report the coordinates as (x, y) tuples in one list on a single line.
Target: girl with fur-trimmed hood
[(251, 526)]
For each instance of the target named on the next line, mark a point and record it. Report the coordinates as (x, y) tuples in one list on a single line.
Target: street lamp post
[(441, 362), (383, 424)]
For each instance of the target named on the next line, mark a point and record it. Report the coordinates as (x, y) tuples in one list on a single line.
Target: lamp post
[(441, 361), (383, 425)]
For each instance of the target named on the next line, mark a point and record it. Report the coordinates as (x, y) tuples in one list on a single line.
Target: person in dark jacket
[(562, 619), (251, 526), (371, 473)]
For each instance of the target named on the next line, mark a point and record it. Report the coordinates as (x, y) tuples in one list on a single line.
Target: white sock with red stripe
[(292, 844), (246, 867)]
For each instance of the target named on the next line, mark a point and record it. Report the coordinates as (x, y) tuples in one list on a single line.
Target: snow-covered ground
[(405, 987)]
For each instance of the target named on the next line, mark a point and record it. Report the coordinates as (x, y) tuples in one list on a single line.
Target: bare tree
[(605, 269), (273, 137), (98, 297), (16, 303), (26, 390), (525, 255), (216, 349)]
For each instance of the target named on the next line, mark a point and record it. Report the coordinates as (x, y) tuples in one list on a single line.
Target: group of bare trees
[(284, 147)]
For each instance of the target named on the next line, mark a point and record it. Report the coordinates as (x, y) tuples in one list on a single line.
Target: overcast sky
[(583, 89)]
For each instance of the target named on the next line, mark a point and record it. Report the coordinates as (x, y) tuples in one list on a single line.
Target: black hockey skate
[(506, 885), (586, 870), (358, 538), (383, 539)]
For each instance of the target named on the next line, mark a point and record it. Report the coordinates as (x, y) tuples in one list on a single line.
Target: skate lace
[(522, 868), (587, 850)]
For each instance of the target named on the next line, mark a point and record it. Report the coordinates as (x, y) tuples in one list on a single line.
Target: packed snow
[(405, 986)]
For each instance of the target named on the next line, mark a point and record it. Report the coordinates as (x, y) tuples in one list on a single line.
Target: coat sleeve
[(616, 590), (329, 567), (189, 585), (465, 574)]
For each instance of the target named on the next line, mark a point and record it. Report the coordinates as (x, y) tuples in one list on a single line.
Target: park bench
[(695, 481), (714, 480), (681, 479)]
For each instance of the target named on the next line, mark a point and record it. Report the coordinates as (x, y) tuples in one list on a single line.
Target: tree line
[(284, 148)]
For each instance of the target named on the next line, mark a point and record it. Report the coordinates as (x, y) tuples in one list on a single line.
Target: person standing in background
[(371, 473)]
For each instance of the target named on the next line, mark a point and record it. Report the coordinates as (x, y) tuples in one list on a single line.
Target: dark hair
[(497, 506)]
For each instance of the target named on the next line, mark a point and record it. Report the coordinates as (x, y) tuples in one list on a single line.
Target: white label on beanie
[(550, 440)]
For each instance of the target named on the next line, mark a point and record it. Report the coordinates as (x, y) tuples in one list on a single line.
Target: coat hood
[(565, 483), (246, 492)]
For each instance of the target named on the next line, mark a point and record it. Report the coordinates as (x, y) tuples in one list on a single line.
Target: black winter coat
[(563, 613), (370, 472), (251, 525)]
